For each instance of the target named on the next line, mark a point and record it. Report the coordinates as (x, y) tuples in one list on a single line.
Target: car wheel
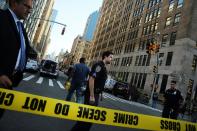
[(114, 92)]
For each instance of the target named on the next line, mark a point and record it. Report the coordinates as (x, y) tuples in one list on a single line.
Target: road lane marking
[(50, 82), (29, 78), (39, 80), (60, 84)]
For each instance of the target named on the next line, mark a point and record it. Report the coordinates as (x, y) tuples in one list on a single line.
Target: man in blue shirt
[(79, 79)]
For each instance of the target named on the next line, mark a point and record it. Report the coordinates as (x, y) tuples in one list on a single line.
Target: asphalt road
[(53, 88)]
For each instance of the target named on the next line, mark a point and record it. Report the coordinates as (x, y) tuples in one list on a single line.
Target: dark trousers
[(3, 110), (169, 112), (85, 126)]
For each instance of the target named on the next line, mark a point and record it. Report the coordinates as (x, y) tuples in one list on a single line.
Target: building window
[(194, 63), (172, 38), (164, 40), (148, 60), (139, 80), (136, 60), (156, 27), (169, 59), (164, 83), (143, 81), (140, 60), (161, 55), (144, 60), (136, 78), (177, 18), (180, 3), (132, 79), (158, 12), (171, 5), (168, 21)]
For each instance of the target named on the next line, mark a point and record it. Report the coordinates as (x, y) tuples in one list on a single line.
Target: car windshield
[(50, 65)]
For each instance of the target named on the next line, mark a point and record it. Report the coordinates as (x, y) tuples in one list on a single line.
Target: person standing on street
[(79, 79), (172, 102), (96, 83), (15, 46), (155, 98)]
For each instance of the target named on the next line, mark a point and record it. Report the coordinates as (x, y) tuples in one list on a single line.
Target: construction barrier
[(24, 102)]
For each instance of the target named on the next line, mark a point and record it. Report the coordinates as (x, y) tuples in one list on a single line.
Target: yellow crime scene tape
[(24, 102)]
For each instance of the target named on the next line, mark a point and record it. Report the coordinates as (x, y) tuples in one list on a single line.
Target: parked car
[(122, 89), (32, 65), (49, 68)]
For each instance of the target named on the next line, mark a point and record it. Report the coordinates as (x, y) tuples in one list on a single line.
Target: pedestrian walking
[(79, 80), (96, 83), (15, 47), (172, 102)]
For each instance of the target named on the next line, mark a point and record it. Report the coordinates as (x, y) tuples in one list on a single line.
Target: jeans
[(79, 93), (154, 103)]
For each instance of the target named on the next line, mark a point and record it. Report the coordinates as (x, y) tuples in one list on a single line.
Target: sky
[(73, 13)]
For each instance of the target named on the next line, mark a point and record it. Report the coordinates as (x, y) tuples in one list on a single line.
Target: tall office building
[(42, 35), (91, 26), (32, 22), (80, 48), (126, 26)]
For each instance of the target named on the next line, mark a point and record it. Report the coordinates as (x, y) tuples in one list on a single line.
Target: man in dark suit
[(14, 44)]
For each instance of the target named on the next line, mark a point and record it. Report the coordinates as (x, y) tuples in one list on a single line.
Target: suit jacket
[(10, 45)]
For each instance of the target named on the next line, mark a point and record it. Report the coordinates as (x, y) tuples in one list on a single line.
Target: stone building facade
[(126, 26)]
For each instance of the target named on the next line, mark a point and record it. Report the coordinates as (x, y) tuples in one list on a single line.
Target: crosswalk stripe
[(60, 84), (29, 78), (39, 80), (50, 82)]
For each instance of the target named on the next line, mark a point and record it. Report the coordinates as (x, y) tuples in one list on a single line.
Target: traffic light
[(155, 69), (63, 30)]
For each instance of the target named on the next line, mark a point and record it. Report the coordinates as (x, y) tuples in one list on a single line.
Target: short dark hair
[(173, 81), (17, 1), (82, 60), (106, 54)]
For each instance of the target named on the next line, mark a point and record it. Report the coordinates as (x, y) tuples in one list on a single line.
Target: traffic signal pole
[(154, 80), (156, 51)]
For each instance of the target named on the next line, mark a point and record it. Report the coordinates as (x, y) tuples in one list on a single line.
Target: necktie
[(22, 60)]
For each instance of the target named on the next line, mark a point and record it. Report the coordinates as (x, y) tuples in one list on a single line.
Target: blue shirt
[(80, 73)]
